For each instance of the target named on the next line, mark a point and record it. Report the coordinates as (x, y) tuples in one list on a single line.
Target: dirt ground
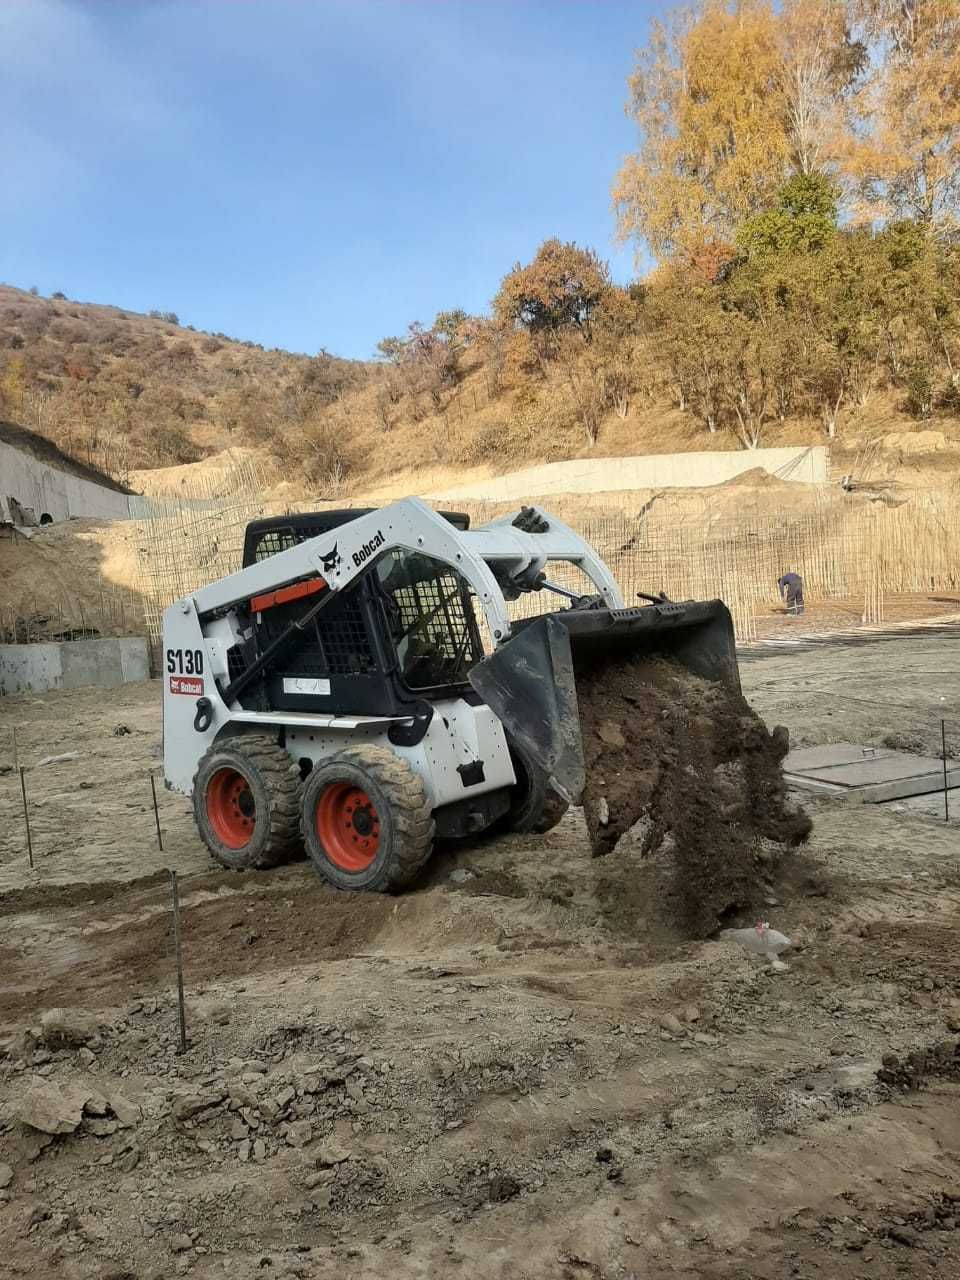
[(845, 614), (519, 1070)]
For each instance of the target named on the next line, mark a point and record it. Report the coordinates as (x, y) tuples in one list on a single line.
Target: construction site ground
[(517, 1070)]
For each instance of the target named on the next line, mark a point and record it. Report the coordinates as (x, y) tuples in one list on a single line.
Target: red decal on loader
[(285, 594), (189, 685)]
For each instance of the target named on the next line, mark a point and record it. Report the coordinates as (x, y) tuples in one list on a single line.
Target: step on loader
[(358, 687)]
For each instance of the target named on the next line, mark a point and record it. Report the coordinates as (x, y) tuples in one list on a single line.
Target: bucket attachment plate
[(530, 682)]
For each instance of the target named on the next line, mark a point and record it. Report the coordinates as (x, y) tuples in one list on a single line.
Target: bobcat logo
[(331, 561)]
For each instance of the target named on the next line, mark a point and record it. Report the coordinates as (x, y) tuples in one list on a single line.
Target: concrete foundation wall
[(34, 668), (40, 489), (656, 471)]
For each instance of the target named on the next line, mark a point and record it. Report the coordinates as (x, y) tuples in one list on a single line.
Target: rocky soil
[(522, 1069)]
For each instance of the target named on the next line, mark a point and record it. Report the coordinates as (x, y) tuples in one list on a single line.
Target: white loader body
[(215, 652)]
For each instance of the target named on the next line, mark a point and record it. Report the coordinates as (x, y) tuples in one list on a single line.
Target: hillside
[(129, 394), (118, 390)]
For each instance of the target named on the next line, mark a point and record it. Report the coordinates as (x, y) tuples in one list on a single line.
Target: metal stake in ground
[(179, 951), (26, 816), (156, 811), (946, 797)]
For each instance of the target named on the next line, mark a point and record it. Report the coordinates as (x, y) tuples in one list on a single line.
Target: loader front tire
[(534, 805), (246, 801), (366, 820)]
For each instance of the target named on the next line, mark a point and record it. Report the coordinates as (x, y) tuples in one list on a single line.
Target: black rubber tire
[(534, 805), (273, 778), (402, 806)]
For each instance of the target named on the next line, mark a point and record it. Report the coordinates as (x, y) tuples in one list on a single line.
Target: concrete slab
[(879, 769), (833, 753), (870, 775), (930, 805)]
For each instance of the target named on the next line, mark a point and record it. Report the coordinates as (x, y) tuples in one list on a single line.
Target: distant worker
[(791, 590)]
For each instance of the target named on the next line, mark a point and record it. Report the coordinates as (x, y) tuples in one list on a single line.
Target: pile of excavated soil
[(690, 762)]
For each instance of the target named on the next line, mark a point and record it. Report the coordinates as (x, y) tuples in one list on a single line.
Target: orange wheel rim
[(231, 808), (347, 826)]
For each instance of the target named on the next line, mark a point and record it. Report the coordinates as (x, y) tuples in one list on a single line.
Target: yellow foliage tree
[(903, 155), (820, 59), (707, 95)]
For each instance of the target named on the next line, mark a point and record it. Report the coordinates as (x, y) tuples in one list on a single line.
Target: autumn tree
[(812, 289), (914, 296), (391, 349), (903, 153), (602, 374), (428, 358), (558, 291), (452, 327), (827, 296), (620, 345), (326, 378), (821, 59), (491, 338), (690, 328), (708, 97)]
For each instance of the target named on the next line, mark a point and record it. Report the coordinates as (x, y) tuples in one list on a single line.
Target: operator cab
[(404, 631)]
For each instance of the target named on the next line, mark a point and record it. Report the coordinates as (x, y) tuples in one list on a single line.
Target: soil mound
[(757, 476), (692, 763)]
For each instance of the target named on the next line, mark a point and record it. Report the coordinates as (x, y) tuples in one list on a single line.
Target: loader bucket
[(530, 682)]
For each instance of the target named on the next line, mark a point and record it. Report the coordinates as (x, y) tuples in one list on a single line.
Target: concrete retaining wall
[(40, 489), (31, 488), (656, 471), (33, 668)]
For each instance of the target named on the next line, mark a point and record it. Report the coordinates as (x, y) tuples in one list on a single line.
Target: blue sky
[(312, 174)]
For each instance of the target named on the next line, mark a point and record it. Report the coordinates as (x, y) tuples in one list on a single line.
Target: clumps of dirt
[(558, 889), (939, 1061), (689, 760), (499, 884), (43, 896)]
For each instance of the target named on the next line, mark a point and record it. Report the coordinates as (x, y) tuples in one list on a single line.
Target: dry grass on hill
[(129, 394)]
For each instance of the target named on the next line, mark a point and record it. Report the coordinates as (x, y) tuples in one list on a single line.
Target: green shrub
[(919, 402)]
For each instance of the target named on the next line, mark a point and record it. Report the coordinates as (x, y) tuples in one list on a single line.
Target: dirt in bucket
[(689, 760)]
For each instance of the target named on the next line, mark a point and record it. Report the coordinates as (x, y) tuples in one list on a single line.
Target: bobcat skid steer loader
[(334, 693)]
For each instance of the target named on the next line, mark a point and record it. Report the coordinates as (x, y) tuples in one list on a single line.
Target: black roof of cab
[(278, 533)]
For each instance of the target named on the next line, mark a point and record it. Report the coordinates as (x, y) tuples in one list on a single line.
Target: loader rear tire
[(246, 801), (534, 805), (366, 820)]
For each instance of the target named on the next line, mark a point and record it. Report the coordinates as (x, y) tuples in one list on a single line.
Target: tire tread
[(281, 778), (411, 812)]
